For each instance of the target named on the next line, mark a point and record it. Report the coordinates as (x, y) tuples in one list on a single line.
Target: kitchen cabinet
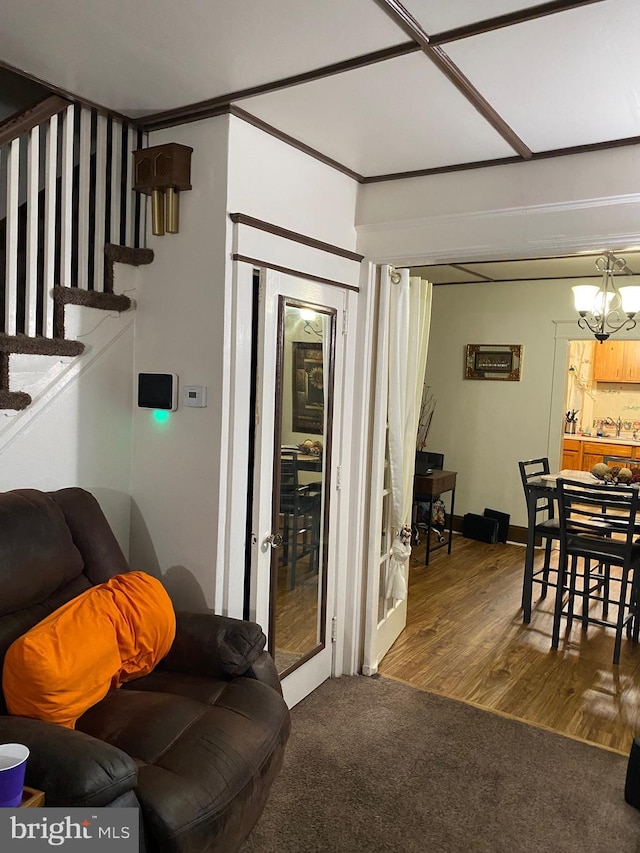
[(617, 361), (571, 455), (582, 455), (631, 361), (607, 361)]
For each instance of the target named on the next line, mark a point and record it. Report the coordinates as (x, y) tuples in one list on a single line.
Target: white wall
[(180, 329), (275, 182), (78, 433), (279, 184), (554, 206), (192, 321), (484, 427)]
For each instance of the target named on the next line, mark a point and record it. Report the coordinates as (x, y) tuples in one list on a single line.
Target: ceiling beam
[(290, 140), (508, 20), (405, 20), (470, 272), (587, 148)]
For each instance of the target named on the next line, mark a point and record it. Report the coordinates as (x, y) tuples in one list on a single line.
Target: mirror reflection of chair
[(300, 517)]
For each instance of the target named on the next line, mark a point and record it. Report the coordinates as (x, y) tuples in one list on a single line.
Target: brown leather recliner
[(195, 745)]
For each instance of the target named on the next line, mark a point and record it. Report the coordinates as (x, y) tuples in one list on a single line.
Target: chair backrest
[(622, 461), (529, 470), (425, 459), (598, 520)]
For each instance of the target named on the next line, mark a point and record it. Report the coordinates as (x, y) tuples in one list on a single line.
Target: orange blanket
[(110, 634)]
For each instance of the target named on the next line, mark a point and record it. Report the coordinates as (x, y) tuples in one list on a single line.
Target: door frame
[(380, 633), (356, 275), (277, 289)]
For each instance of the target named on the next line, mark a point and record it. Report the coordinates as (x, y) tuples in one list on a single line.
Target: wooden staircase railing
[(67, 213)]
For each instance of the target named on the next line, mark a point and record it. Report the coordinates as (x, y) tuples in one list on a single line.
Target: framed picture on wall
[(308, 388), (493, 361)]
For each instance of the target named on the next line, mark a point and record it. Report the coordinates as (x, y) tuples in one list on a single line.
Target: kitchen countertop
[(605, 439)]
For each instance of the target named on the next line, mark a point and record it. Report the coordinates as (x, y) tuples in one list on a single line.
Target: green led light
[(161, 416)]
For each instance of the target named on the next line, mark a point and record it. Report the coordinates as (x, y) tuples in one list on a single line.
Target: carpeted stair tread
[(115, 254), (17, 400), (106, 300), (39, 346), (91, 299)]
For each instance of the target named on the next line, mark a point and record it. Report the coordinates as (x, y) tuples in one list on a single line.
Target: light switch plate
[(194, 396)]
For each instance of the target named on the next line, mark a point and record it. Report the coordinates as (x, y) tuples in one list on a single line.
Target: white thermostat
[(194, 395)]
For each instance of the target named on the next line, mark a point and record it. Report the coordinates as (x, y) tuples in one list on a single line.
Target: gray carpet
[(375, 765)]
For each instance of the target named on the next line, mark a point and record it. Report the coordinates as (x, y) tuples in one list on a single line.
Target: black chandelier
[(606, 309)]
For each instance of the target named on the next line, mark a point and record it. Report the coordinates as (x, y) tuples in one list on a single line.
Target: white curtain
[(409, 319)]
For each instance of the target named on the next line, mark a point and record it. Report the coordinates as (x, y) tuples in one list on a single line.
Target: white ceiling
[(381, 130), (562, 80), (533, 269), (574, 78)]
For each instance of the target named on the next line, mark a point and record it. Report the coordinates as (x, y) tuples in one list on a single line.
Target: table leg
[(429, 506), (453, 497)]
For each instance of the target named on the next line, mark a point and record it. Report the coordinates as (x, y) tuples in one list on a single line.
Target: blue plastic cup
[(13, 763)]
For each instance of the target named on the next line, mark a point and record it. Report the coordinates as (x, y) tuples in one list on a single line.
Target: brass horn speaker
[(162, 172)]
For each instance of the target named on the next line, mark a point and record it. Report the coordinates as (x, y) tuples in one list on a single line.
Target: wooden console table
[(426, 488)]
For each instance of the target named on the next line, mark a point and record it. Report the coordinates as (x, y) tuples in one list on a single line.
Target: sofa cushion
[(37, 552), (91, 533), (205, 760), (52, 673)]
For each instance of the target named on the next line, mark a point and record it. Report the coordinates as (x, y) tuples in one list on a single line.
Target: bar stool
[(598, 523), (547, 527)]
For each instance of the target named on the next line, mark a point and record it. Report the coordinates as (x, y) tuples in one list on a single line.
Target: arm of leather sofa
[(264, 669), (212, 645), (71, 767)]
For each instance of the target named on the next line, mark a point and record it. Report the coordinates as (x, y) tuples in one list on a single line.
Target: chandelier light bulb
[(606, 309), (630, 296), (584, 297)]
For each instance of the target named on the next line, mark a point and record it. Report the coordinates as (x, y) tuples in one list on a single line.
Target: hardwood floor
[(296, 618), (465, 639)]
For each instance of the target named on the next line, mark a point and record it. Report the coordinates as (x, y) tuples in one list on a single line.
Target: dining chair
[(621, 461), (546, 527), (598, 524)]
